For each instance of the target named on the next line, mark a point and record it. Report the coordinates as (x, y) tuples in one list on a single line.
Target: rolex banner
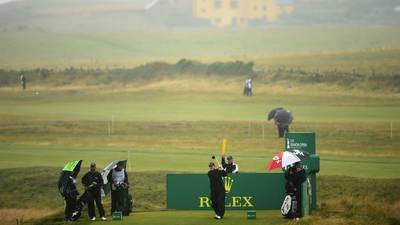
[(243, 191)]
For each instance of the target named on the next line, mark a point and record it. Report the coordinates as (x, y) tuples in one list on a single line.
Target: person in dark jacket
[(295, 176), (217, 189), (71, 194), (118, 178), (283, 118), (92, 181), (230, 166)]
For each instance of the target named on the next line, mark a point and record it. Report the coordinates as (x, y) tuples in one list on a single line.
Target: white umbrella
[(289, 158)]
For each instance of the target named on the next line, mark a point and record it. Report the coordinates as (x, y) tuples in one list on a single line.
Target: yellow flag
[(223, 146)]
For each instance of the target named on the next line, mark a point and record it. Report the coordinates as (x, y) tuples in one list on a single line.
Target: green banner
[(303, 141), (243, 191)]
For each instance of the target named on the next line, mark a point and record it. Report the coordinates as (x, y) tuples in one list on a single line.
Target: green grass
[(176, 124), (29, 49), (162, 105), (347, 199), (183, 128)]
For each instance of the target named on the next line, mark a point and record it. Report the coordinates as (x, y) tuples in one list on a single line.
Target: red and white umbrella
[(282, 160)]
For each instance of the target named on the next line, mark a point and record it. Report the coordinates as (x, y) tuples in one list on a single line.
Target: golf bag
[(123, 201), (127, 204), (290, 207)]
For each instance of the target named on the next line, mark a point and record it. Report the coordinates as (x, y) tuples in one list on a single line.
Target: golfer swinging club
[(217, 189)]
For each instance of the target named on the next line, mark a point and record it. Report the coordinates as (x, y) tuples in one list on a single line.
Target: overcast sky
[(5, 1)]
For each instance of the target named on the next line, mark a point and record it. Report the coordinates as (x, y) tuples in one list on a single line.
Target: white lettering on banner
[(290, 144)]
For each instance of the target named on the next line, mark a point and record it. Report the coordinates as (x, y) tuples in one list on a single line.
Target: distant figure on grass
[(294, 177), (283, 118), (22, 79), (217, 189), (92, 181), (248, 87), (229, 167), (118, 178)]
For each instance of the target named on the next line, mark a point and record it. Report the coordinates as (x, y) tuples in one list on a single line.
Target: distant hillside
[(127, 15)]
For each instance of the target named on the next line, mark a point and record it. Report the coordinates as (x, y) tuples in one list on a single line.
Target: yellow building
[(223, 13)]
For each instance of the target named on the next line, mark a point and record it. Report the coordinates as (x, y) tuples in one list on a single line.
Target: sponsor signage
[(244, 191)]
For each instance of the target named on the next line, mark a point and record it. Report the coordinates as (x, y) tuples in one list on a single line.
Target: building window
[(265, 8), (255, 8), (217, 4), (203, 10), (218, 20), (234, 4)]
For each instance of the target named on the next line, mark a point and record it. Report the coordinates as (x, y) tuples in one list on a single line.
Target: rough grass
[(350, 70), (346, 200), (342, 200), (18, 215)]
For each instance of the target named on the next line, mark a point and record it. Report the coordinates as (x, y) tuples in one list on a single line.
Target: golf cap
[(230, 157), (92, 164), (211, 164)]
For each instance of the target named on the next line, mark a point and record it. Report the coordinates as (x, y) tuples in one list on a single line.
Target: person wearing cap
[(92, 181), (229, 167), (217, 189), (118, 178)]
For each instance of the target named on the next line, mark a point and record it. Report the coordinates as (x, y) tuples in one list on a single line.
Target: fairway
[(174, 126)]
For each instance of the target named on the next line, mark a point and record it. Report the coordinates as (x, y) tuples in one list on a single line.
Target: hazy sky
[(5, 1)]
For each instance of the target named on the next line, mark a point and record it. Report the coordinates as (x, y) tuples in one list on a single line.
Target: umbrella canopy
[(273, 112), (70, 166), (300, 154), (106, 187), (70, 169), (282, 160), (281, 116)]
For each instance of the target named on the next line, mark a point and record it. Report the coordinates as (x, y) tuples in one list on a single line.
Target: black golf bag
[(123, 201), (127, 204), (290, 207)]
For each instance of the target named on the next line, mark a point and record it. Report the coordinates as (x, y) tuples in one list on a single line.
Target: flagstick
[(391, 130), (129, 160), (109, 128), (248, 129), (112, 123), (262, 130)]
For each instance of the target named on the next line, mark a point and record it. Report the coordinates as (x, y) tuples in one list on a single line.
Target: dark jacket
[(229, 167), (92, 181), (71, 191), (216, 182), (294, 179)]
